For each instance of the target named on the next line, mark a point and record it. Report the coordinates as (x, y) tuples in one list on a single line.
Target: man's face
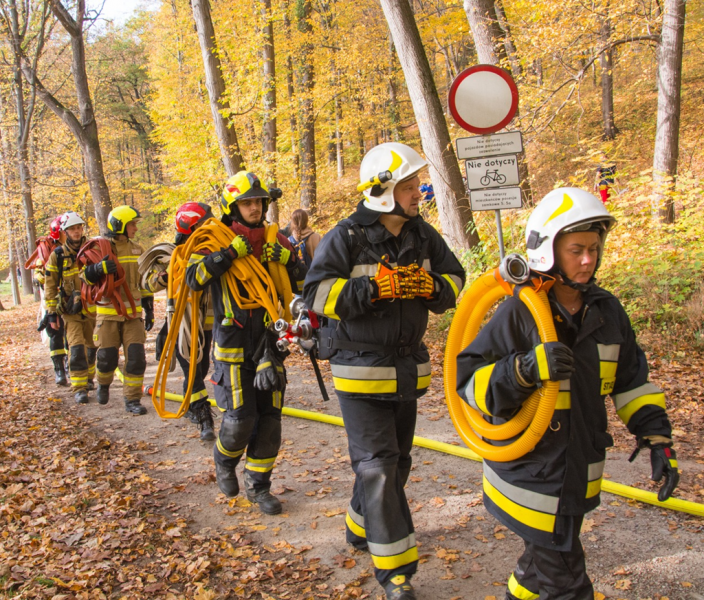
[(577, 253), (75, 232), (408, 196), (130, 230), (251, 210)]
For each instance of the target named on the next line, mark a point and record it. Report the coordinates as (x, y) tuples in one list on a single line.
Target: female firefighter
[(544, 495)]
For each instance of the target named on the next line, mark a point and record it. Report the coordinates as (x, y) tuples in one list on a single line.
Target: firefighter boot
[(103, 394), (205, 421), (59, 370), (81, 396), (267, 503), (135, 407), (90, 386), (191, 414), (399, 588), (227, 480)]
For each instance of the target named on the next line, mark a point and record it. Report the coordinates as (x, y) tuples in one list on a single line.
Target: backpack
[(300, 248)]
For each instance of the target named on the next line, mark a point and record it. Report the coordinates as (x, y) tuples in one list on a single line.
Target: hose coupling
[(514, 269)]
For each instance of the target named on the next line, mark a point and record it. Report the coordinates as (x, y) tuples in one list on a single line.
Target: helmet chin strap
[(399, 211), (580, 287)]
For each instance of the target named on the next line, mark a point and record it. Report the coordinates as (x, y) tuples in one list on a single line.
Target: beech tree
[(453, 204)]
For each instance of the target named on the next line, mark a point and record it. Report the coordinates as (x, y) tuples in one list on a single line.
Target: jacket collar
[(376, 232)]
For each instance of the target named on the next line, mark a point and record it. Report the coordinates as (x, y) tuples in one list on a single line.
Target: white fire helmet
[(564, 210), (382, 168), (70, 219)]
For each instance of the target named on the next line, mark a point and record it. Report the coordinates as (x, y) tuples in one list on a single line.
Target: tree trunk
[(607, 82), (215, 83), (16, 296), (308, 166), (669, 76), (269, 126), (487, 34), (509, 46), (338, 140), (455, 215)]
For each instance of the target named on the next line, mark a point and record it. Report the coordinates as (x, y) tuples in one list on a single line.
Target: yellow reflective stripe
[(277, 397), (228, 453), (260, 465), (394, 562), (199, 395), (633, 406), (481, 379), (564, 401), (362, 386), (520, 592), (71, 272), (57, 352), (128, 258), (331, 301), (145, 293), (231, 355), (673, 463), (51, 303), (620, 400), (109, 310), (543, 367), (236, 382), (79, 379), (202, 275), (532, 518), (593, 488), (209, 320), (52, 268), (354, 527), (194, 258), (454, 285), (423, 382), (262, 366), (91, 308), (607, 369)]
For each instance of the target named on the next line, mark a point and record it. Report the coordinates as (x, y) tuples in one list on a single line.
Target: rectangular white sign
[(493, 144), (496, 199), (492, 172)]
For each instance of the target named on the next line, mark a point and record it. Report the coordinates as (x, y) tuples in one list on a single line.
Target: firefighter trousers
[(81, 350), (546, 574), (129, 334), (57, 342), (380, 437), (198, 392), (252, 422)]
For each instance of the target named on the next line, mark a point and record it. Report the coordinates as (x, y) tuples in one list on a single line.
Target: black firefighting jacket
[(562, 475), (375, 348), (238, 341)]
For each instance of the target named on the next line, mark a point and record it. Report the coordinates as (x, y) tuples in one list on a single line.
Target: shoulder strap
[(361, 244)]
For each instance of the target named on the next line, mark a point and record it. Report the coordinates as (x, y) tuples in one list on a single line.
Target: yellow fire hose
[(262, 289), (611, 487), (535, 414)]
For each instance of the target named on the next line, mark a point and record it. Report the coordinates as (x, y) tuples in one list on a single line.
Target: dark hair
[(299, 221)]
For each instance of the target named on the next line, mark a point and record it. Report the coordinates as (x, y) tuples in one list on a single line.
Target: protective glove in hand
[(240, 247), (270, 374), (663, 460), (104, 267), (275, 252), (551, 361), (385, 284), (415, 281), (148, 309), (43, 323)]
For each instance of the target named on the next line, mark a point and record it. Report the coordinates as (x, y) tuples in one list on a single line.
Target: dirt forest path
[(634, 551)]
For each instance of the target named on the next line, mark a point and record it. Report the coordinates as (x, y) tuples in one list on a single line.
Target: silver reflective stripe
[(424, 369), (595, 471), (356, 517), (426, 264), (456, 280), (565, 385), (469, 394), (350, 372), (620, 400), (360, 270), (534, 500), (394, 548), (321, 296), (608, 352)]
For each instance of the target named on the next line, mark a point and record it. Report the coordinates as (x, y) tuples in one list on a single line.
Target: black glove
[(51, 318), (148, 308), (663, 461), (270, 373), (104, 267), (44, 322), (551, 361)]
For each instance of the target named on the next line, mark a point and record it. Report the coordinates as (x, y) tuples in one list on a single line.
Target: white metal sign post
[(483, 100)]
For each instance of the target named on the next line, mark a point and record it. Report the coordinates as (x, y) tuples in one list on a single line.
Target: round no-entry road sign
[(483, 99)]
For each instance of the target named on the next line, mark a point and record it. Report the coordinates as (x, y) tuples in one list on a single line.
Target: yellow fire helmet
[(242, 186), (119, 217)]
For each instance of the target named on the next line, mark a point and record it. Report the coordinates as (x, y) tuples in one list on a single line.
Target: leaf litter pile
[(81, 518)]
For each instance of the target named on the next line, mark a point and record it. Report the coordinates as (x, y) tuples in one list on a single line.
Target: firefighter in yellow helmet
[(114, 330), (248, 373), (544, 495)]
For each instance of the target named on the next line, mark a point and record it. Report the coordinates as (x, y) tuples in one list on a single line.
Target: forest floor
[(95, 503)]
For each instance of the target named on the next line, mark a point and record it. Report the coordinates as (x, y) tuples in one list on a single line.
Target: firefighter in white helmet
[(374, 277), (543, 496)]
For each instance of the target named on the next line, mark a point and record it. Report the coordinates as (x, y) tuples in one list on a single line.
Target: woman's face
[(577, 253)]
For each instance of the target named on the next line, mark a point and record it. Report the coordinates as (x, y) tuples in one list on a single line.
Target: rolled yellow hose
[(280, 275), (535, 414)]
